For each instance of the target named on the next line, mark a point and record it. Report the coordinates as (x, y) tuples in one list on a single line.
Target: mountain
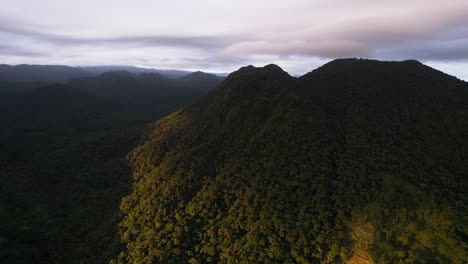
[(40, 73), (133, 69), (148, 88), (358, 161)]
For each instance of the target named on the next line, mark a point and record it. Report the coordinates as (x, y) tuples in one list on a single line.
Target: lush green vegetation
[(356, 162)]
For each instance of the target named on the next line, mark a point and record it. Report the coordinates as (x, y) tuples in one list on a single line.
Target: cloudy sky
[(222, 35)]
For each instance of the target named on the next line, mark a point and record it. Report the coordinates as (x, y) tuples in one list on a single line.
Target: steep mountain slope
[(356, 162)]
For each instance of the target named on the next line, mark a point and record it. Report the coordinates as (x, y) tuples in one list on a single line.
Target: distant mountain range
[(61, 74), (139, 86), (147, 88), (133, 69), (40, 73)]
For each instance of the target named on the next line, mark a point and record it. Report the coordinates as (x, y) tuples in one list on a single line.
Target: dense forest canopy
[(359, 161)]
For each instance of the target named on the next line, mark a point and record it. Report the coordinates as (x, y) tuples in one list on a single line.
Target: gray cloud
[(146, 40), (15, 51), (437, 50), (448, 45)]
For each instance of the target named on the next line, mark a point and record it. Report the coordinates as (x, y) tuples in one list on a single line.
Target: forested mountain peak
[(198, 74), (359, 64), (249, 81), (381, 73), (327, 168), (270, 69), (341, 82)]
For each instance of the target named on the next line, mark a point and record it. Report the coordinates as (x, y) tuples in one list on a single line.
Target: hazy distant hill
[(40, 73), (200, 81), (60, 74), (147, 88), (358, 161), (133, 69)]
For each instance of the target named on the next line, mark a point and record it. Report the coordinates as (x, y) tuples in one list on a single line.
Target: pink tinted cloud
[(319, 48)]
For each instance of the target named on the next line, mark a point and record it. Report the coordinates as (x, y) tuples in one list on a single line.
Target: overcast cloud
[(221, 36)]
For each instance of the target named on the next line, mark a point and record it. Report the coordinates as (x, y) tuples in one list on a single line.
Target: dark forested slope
[(148, 88), (62, 174), (63, 171), (358, 162)]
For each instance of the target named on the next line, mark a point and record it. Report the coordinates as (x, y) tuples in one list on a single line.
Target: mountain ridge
[(25, 73)]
